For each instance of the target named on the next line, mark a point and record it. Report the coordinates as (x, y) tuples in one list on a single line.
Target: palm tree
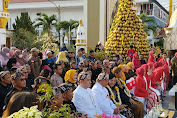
[(145, 20), (46, 21), (66, 25)]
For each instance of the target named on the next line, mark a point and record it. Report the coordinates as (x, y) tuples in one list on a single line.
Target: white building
[(96, 14), (156, 11)]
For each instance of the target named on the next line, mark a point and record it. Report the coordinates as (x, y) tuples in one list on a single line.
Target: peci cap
[(3, 73)]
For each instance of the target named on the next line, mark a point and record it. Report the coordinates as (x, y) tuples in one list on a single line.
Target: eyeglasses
[(22, 80)]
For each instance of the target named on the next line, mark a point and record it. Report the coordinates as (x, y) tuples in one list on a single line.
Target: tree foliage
[(24, 22), (145, 20), (24, 32), (46, 21), (66, 24)]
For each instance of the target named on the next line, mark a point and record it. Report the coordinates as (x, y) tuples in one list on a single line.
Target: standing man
[(56, 79), (34, 62), (174, 69), (130, 51)]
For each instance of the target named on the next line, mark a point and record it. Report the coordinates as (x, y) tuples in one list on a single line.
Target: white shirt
[(84, 101), (101, 96)]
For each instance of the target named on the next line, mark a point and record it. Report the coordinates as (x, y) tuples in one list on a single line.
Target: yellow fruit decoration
[(125, 30)]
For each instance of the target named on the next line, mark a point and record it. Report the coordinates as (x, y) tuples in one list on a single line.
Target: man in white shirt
[(101, 96), (83, 98)]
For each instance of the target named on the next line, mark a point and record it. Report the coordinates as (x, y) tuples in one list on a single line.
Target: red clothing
[(167, 62), (136, 61), (157, 76), (151, 57), (159, 58), (130, 52), (140, 85)]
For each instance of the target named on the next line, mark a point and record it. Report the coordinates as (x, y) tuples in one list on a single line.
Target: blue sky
[(165, 3)]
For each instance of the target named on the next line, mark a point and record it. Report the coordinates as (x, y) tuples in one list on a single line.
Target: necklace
[(126, 90), (112, 96)]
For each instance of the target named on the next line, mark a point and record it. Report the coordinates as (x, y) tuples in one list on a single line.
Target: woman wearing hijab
[(45, 53), (20, 60), (150, 78), (136, 61), (151, 57), (124, 70), (25, 54), (4, 56), (131, 71), (64, 48), (62, 58), (152, 98), (71, 77), (12, 50)]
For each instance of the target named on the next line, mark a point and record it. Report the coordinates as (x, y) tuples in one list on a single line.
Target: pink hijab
[(20, 61)]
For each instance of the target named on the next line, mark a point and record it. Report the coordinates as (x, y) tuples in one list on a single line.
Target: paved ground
[(166, 104)]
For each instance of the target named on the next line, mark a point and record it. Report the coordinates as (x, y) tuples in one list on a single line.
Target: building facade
[(156, 11), (96, 15)]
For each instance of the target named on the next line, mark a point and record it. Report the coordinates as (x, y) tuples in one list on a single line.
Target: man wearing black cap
[(4, 88)]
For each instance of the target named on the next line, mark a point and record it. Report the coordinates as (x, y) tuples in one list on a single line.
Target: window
[(144, 7), (151, 6)]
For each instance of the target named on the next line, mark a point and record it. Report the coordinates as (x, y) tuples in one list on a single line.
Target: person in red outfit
[(150, 77), (151, 57), (130, 51), (152, 97), (141, 86), (136, 61)]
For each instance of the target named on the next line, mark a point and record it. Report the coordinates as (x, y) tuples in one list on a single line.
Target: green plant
[(145, 20), (46, 41), (24, 22), (23, 38), (46, 21)]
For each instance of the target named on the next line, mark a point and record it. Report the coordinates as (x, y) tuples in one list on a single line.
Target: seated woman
[(20, 100), (126, 97), (71, 77), (115, 97), (131, 71), (150, 78), (151, 100)]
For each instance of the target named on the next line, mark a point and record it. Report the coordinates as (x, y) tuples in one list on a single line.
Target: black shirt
[(10, 93), (3, 92), (143, 61)]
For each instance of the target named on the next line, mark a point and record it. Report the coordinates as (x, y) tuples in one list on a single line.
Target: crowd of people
[(126, 88)]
